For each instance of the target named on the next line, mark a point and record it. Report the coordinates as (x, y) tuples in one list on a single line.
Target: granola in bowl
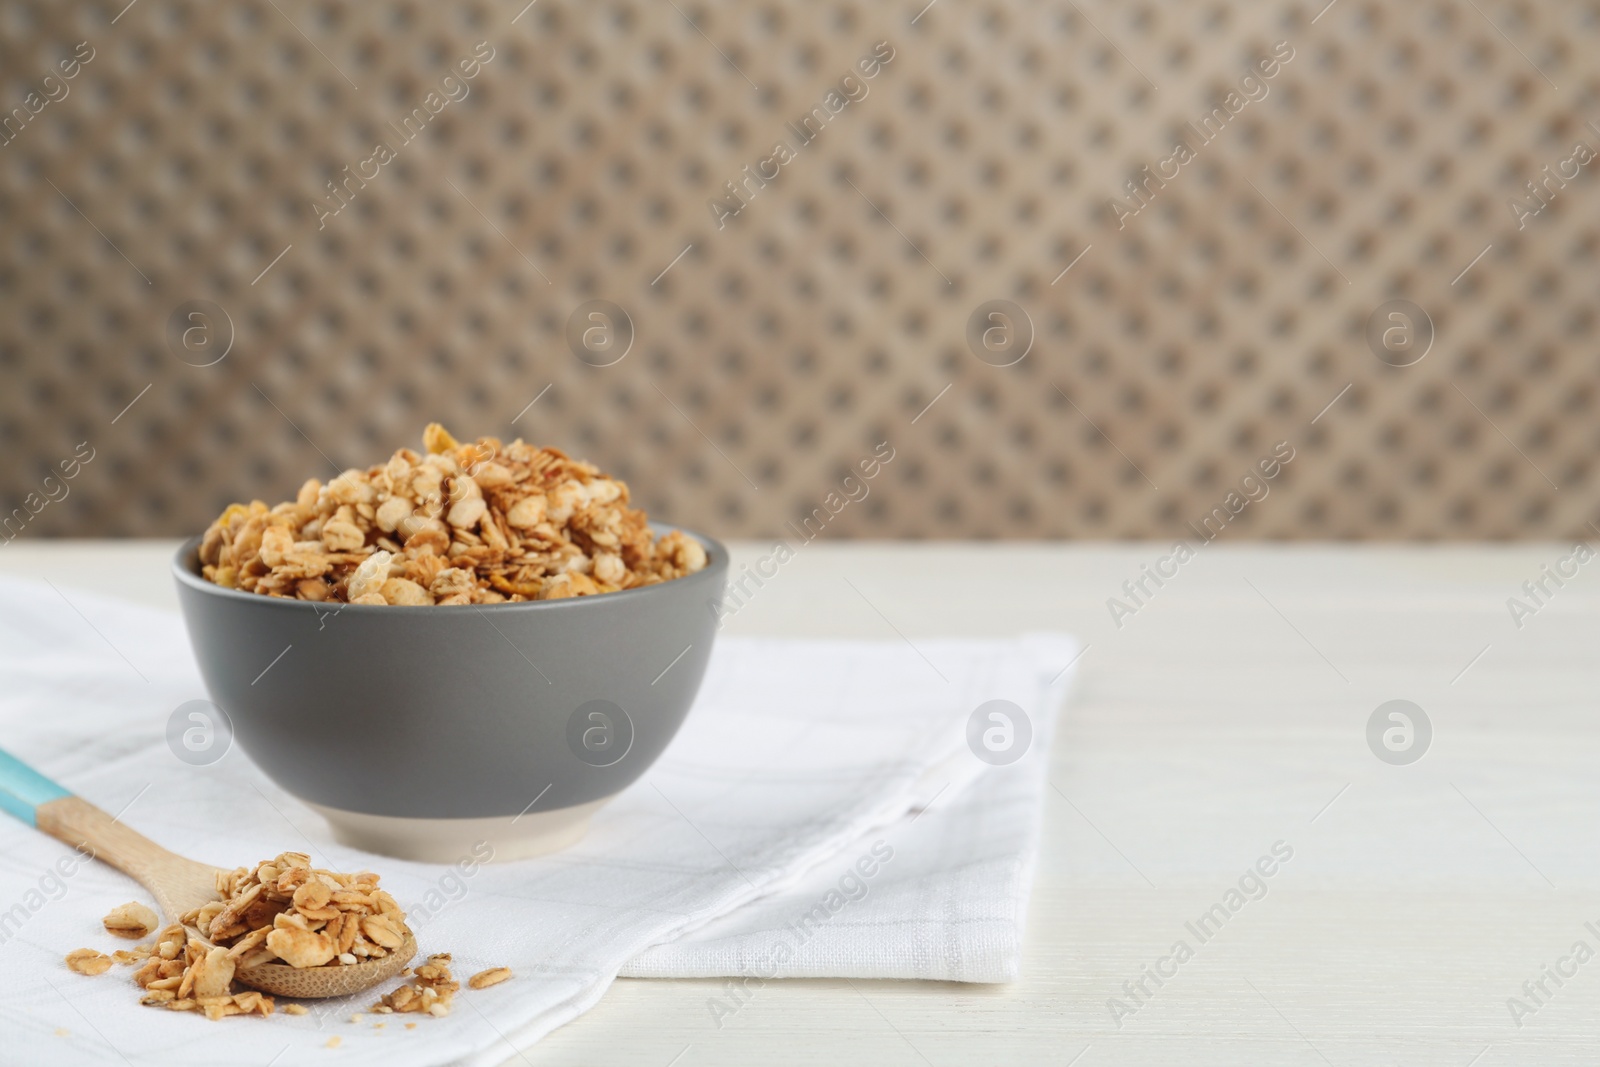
[(479, 523)]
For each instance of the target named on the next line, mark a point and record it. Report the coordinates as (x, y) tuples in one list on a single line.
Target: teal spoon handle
[(177, 884), (23, 789)]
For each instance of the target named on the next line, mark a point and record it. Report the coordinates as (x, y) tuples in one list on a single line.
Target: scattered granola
[(132, 921), (431, 989), (492, 976), (88, 961), (479, 523), (280, 910)]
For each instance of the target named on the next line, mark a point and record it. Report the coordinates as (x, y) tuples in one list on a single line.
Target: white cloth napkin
[(947, 894), (803, 764)]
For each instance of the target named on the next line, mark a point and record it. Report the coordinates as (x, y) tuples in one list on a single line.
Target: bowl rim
[(717, 563)]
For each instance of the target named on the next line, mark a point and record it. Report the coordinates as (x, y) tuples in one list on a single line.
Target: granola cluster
[(285, 910), (131, 921), (431, 990), (87, 961), (183, 973), (479, 523)]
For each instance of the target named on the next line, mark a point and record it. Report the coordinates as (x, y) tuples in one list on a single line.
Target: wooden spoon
[(179, 885)]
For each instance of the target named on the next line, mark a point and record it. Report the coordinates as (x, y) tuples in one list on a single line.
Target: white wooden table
[(1229, 713)]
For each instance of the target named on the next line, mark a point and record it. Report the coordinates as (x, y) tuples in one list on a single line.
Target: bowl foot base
[(505, 837)]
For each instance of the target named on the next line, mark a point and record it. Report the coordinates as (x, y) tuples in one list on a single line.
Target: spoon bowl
[(312, 983)]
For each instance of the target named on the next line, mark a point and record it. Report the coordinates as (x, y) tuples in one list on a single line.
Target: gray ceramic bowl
[(422, 732)]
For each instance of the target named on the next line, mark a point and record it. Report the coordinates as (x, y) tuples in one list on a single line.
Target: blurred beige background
[(163, 161)]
